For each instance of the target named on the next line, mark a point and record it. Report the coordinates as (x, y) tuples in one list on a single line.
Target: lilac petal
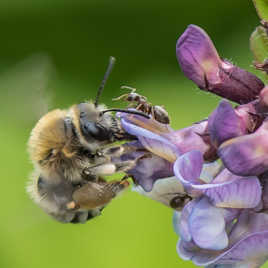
[(191, 138), (188, 167), (248, 245), (207, 226), (197, 56), (241, 193), (264, 182), (231, 191), (176, 222), (149, 169), (225, 124), (247, 155), (248, 242), (150, 134), (210, 171), (189, 251), (161, 148), (183, 228), (201, 63), (250, 252)]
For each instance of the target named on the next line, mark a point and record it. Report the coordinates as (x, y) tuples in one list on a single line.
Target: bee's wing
[(23, 88), (164, 190)]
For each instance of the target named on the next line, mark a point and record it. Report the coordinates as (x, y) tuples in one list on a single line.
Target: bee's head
[(92, 126)]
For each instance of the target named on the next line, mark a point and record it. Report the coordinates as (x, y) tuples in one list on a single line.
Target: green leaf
[(262, 9), (259, 47), (259, 44)]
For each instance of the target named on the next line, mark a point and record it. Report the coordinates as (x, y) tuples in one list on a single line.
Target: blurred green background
[(57, 51)]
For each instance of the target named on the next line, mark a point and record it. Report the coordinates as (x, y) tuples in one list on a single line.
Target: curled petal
[(241, 193), (249, 252), (176, 222), (188, 167), (210, 171), (183, 227), (189, 251), (149, 169), (225, 124), (207, 226), (195, 137), (201, 63), (248, 242), (247, 155)]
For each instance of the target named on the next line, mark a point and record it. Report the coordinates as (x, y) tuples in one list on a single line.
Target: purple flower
[(201, 63), (215, 225), (239, 242), (221, 225)]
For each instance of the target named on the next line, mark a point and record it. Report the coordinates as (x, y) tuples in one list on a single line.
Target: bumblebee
[(71, 154)]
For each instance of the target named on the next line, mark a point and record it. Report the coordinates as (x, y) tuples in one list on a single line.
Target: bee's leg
[(125, 165), (115, 151), (109, 168), (100, 170), (116, 186)]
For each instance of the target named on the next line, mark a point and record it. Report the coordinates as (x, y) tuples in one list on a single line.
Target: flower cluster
[(215, 172)]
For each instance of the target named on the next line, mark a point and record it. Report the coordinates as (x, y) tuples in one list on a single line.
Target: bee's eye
[(94, 130)]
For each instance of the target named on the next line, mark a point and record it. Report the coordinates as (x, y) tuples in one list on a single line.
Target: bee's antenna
[(107, 73), (126, 111)]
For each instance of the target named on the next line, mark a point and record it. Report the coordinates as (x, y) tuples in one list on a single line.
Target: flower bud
[(201, 63)]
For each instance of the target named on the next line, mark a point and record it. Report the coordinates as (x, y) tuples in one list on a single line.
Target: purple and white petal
[(207, 226), (183, 228), (247, 155), (150, 134), (248, 242), (225, 124), (197, 56), (188, 167), (149, 169), (210, 171), (241, 193)]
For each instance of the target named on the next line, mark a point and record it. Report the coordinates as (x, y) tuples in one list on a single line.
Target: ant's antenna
[(107, 73), (126, 111)]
